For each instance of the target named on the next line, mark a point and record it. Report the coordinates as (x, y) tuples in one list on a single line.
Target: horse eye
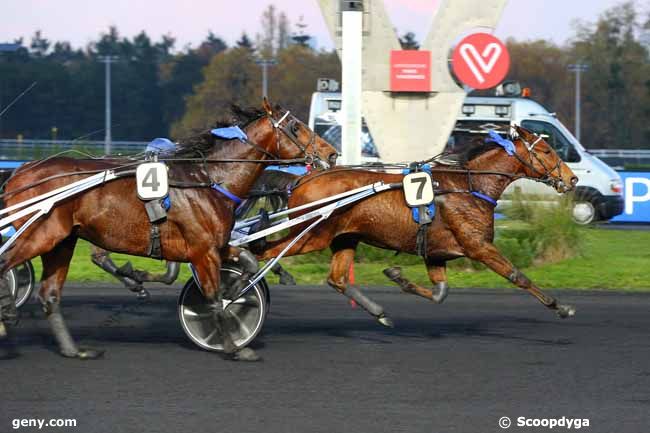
[(295, 128), (547, 151)]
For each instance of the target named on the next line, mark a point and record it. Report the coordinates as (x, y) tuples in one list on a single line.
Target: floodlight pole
[(265, 63), (107, 60), (351, 77), (578, 68)]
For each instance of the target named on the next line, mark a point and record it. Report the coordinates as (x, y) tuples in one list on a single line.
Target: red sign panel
[(481, 61), (410, 71)]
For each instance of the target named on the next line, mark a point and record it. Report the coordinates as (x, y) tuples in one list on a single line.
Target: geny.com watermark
[(551, 423), (40, 423)]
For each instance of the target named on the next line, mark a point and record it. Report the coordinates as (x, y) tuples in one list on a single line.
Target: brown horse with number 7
[(111, 216), (463, 224)]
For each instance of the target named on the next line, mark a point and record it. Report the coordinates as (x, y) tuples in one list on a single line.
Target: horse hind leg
[(55, 269), (8, 310), (286, 279), (343, 256), (8, 318), (125, 274), (437, 274)]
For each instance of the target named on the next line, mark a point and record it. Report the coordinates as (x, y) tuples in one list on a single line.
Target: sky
[(81, 21)]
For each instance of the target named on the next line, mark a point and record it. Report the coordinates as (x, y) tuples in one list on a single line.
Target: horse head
[(540, 161), (294, 139)]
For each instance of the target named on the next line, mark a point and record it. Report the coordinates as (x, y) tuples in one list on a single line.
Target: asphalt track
[(456, 367)]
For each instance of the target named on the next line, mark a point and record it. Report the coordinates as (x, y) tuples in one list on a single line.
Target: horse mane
[(203, 141), (473, 150)]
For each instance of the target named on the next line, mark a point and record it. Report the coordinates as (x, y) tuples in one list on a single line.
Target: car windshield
[(555, 138), (331, 132)]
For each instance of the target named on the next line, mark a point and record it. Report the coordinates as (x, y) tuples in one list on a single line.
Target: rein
[(308, 159)]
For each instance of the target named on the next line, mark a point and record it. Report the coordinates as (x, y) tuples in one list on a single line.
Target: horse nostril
[(574, 180), (332, 158)]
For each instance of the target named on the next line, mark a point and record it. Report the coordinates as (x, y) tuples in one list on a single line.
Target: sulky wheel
[(21, 282), (248, 312)]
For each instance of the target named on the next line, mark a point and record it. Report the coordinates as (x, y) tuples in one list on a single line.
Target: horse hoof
[(143, 295), (393, 273), (88, 353), (565, 311), (246, 354), (84, 354), (386, 321), (287, 280)]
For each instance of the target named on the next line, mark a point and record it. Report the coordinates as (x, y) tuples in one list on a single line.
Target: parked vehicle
[(598, 195)]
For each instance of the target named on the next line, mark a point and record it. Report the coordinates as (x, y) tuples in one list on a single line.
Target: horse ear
[(518, 131), (267, 106)]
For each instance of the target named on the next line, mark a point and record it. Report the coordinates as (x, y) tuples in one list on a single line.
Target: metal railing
[(620, 158), (24, 150)]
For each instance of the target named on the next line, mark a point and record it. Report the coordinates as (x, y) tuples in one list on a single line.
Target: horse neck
[(239, 177), (495, 160)]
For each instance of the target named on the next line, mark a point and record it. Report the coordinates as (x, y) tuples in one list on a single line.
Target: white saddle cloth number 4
[(418, 189), (151, 180)]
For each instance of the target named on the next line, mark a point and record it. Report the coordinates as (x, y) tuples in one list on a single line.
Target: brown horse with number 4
[(111, 216), (463, 224)]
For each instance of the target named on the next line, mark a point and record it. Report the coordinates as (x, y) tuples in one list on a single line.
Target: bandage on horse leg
[(369, 305), (67, 346), (125, 274), (8, 310)]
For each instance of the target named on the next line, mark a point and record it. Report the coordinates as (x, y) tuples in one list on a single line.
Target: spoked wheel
[(248, 312), (21, 282)]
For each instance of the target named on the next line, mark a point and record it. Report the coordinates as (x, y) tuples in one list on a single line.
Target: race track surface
[(456, 367)]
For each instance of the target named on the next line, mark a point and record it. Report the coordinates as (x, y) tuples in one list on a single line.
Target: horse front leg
[(207, 268), (490, 256), (437, 271)]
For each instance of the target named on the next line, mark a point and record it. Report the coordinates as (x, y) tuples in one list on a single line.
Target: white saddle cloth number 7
[(418, 189)]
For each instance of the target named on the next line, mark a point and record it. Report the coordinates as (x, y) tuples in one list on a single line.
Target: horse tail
[(274, 186)]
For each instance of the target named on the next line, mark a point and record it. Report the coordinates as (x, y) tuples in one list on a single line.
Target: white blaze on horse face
[(472, 57)]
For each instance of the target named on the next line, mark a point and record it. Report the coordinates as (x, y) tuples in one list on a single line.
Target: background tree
[(408, 41), (231, 77), (245, 42)]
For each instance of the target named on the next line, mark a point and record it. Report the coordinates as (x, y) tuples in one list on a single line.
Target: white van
[(325, 120), (599, 191)]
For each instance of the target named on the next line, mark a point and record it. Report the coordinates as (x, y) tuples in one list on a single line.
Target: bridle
[(290, 130), (545, 176)]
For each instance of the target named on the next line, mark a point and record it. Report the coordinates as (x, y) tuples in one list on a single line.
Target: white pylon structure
[(410, 126)]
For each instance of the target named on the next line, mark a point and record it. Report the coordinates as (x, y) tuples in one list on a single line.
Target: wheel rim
[(583, 212), (247, 313), (24, 281)]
